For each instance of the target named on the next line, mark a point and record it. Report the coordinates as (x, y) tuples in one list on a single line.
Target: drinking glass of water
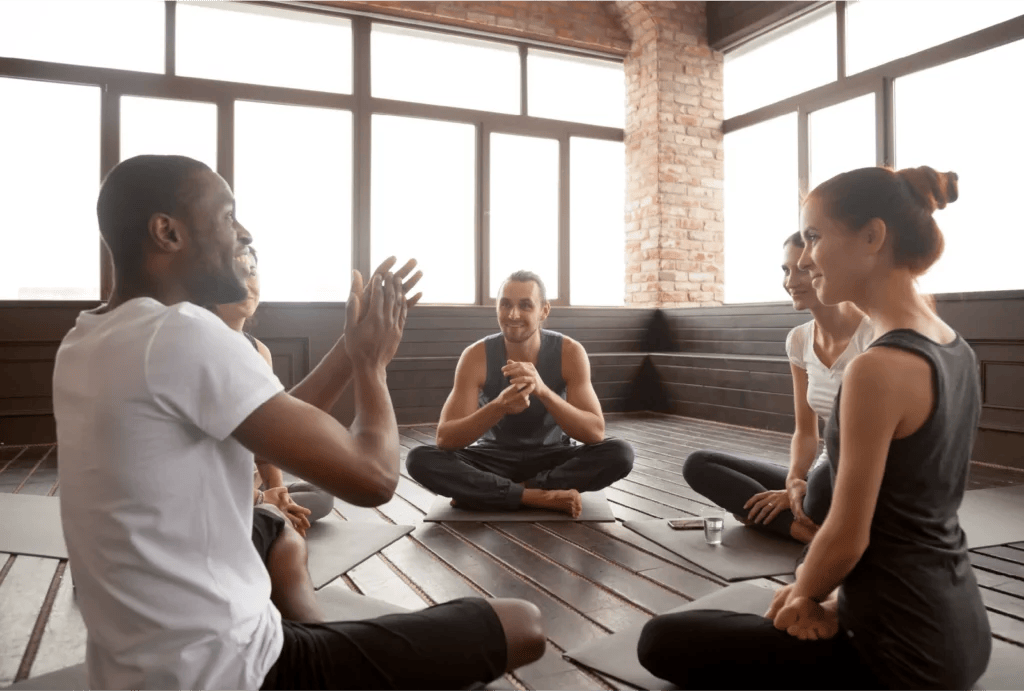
[(714, 524)]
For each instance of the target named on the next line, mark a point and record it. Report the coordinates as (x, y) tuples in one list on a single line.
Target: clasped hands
[(803, 617), (296, 515), (524, 380)]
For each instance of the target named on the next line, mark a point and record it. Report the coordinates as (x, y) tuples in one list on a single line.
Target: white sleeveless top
[(823, 382)]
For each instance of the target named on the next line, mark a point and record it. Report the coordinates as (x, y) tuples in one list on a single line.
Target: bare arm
[(579, 413), (463, 421), (359, 465), (804, 444), (874, 403)]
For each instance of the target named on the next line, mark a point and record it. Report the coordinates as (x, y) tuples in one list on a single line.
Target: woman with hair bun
[(886, 597)]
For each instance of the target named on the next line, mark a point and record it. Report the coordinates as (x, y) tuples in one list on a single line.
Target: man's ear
[(874, 233), (165, 233), (545, 311)]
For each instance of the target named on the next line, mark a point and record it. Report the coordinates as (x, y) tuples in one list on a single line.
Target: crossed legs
[(489, 478)]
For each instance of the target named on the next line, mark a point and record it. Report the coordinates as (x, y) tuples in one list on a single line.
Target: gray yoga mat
[(32, 526), (595, 509), (993, 516), (335, 546), (744, 552), (615, 655), (1005, 668)]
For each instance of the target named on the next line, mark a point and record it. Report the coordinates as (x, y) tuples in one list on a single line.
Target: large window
[(761, 207), (424, 203), (239, 43), (901, 84), (49, 177), (419, 66), (346, 139), (524, 209), (983, 229), (293, 174), (769, 70)]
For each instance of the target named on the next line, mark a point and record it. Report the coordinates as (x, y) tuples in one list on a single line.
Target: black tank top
[(534, 426), (911, 605), (251, 340)]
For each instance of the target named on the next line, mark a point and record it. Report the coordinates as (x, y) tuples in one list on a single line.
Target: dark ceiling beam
[(731, 24)]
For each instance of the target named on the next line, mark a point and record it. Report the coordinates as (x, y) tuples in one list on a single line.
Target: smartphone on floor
[(686, 523)]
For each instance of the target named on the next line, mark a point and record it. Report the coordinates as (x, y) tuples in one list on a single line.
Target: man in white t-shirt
[(160, 408)]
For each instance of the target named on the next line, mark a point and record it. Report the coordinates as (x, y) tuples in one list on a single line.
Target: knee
[(319, 503), (420, 461), (523, 625), (289, 545), (658, 647), (620, 456), (694, 467)]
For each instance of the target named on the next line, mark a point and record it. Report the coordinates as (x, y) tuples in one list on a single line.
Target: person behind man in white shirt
[(160, 408)]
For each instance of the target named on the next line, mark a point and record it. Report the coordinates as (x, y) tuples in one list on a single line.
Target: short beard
[(217, 290), (520, 340)]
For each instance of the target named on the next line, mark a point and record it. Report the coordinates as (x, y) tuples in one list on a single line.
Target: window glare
[(443, 70), (49, 180), (879, 32), (597, 229), (524, 209), (790, 62), (930, 105), (761, 207), (165, 126), (293, 185), (576, 89), (842, 138), (431, 167), (236, 42), (122, 35)]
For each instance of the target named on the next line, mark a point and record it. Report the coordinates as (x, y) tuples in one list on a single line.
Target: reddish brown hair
[(904, 200)]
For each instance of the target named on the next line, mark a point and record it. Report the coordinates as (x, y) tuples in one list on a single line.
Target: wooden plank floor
[(587, 579)]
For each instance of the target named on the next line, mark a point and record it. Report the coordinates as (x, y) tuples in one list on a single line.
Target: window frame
[(116, 83), (879, 80)]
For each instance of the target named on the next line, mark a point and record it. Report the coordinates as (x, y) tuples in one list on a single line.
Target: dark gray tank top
[(911, 604), (534, 426)]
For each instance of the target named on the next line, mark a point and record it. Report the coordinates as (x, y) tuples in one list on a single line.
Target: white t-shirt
[(156, 498), (823, 382)]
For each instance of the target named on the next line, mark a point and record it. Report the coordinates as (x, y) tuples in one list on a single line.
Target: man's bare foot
[(565, 500)]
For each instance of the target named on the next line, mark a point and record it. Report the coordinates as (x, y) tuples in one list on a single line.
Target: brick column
[(674, 157)]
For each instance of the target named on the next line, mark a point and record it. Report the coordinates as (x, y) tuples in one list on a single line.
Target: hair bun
[(932, 189)]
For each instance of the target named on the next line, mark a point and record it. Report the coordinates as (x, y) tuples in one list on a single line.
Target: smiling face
[(797, 281), (835, 258), (210, 266), (238, 312), (520, 310)]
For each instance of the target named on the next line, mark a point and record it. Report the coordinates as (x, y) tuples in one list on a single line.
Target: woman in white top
[(794, 502), (301, 502)]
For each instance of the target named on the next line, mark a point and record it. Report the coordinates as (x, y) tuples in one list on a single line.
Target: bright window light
[(577, 89), (797, 58), (879, 32), (524, 209), (256, 44), (49, 181), (762, 206), (443, 70), (293, 186), (424, 202), (842, 138), (597, 228), (165, 126), (98, 33), (983, 229)]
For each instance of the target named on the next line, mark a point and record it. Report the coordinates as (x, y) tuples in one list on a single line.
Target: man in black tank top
[(504, 439)]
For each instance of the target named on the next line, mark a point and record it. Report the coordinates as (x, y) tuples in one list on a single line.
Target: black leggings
[(713, 649), (730, 481)]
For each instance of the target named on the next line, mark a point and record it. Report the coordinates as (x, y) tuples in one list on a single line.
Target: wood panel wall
[(720, 363), (729, 364)]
